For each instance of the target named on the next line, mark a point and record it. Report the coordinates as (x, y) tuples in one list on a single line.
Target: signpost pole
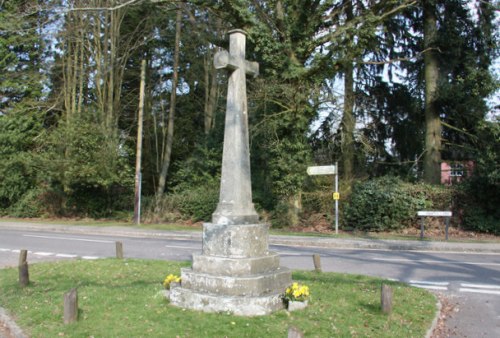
[(336, 200), (330, 170)]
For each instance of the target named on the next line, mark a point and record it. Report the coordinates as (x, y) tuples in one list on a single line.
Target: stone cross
[(235, 272), (235, 199)]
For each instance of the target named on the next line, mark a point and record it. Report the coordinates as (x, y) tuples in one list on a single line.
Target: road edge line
[(436, 318)]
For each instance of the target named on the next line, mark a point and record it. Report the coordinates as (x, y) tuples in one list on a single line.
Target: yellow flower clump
[(169, 279), (297, 292)]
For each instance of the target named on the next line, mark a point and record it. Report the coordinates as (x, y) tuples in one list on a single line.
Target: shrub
[(477, 200), (388, 203), (196, 204)]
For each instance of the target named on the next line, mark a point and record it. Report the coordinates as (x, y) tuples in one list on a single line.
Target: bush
[(388, 203), (29, 205), (477, 200), (196, 204)]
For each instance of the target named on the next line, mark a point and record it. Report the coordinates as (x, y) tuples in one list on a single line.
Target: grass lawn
[(122, 298)]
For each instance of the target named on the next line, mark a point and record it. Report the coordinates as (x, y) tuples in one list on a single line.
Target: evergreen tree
[(21, 58)]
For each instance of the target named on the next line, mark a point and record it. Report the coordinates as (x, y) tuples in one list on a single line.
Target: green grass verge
[(122, 298)]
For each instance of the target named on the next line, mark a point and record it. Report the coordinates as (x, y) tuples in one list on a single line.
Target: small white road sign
[(322, 170)]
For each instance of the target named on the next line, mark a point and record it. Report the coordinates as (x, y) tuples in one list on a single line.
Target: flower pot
[(174, 285), (296, 305)]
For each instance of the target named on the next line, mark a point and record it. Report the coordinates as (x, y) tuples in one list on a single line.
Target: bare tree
[(167, 154)]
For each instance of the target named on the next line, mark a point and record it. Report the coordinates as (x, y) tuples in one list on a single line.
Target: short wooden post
[(294, 332), (447, 226), (422, 225), (386, 299), (119, 250), (24, 276), (71, 306), (317, 262)]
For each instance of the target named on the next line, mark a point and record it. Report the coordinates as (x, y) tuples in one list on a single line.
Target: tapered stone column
[(235, 202), (236, 272)]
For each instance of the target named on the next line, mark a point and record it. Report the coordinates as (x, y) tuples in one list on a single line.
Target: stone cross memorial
[(235, 273)]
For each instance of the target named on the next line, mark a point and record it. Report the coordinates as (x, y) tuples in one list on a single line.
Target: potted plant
[(170, 282), (296, 297)]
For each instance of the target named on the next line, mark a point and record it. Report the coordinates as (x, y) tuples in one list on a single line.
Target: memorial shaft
[(235, 200)]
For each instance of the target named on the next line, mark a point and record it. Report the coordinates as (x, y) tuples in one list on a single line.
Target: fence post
[(71, 306), (24, 276), (386, 299), (317, 262), (119, 250)]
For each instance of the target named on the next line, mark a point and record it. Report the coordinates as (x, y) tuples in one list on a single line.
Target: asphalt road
[(470, 280)]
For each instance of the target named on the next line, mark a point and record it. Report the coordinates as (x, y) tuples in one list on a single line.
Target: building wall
[(456, 171)]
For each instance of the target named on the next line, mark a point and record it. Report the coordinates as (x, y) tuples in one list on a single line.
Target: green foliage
[(18, 133), (387, 203), (196, 204), (21, 50), (477, 201), (88, 166), (317, 202)]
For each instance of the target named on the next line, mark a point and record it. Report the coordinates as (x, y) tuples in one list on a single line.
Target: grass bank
[(122, 298)]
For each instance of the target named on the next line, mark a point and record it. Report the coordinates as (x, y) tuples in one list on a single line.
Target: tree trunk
[(170, 129), (432, 156), (211, 89), (348, 122), (138, 157)]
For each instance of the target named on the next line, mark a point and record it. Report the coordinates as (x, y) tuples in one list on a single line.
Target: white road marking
[(44, 253), (181, 247), (480, 286), (490, 292), (71, 239), (66, 255), (468, 253), (424, 284), (4, 250), (432, 261), (90, 257), (431, 287), (428, 282)]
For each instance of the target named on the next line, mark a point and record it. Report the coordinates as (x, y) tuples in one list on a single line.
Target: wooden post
[(138, 152), (386, 299), (119, 250), (317, 262), (294, 332), (71, 306), (24, 276)]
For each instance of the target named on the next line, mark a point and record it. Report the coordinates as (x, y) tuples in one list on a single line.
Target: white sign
[(322, 170), (434, 213)]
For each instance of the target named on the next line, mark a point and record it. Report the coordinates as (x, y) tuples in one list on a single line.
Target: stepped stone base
[(237, 305), (267, 283), (235, 273)]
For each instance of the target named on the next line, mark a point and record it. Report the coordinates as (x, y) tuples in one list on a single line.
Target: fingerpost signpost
[(329, 170)]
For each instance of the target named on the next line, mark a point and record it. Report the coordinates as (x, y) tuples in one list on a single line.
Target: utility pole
[(138, 157)]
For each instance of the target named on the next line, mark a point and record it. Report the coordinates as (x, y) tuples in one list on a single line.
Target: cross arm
[(223, 59)]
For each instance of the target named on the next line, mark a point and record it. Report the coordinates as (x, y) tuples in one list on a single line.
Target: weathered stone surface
[(235, 273), (237, 305), (235, 200), (253, 285), (245, 240), (235, 266)]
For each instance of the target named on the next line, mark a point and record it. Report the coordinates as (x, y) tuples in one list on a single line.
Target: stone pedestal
[(235, 273)]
